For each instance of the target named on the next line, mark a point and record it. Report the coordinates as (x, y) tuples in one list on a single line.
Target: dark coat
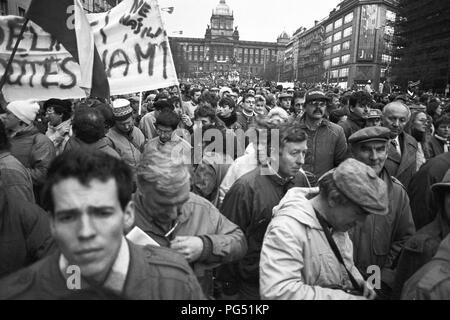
[(381, 238), (435, 147), (249, 204), (404, 167), (423, 207), (418, 251), (432, 281), (154, 274), (24, 234), (351, 125), (35, 151), (16, 179)]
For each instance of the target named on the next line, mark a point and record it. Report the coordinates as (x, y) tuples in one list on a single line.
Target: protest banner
[(131, 42)]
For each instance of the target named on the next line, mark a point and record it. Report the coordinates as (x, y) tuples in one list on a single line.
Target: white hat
[(26, 111)]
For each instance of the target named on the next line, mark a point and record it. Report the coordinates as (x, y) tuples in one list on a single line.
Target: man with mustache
[(327, 146)]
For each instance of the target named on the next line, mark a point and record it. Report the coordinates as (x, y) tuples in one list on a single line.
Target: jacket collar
[(276, 178), (4, 154), (323, 122), (356, 119)]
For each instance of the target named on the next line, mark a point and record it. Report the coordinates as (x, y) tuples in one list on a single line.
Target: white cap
[(26, 111)]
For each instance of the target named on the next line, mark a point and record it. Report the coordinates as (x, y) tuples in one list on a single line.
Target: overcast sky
[(258, 20)]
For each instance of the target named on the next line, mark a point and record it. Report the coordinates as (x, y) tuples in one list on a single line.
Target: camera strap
[(336, 251)]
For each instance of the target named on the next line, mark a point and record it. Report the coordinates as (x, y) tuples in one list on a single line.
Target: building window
[(347, 32), (334, 74), (338, 23), (326, 64), (389, 30), (343, 72), (345, 58), (327, 52), (329, 28), (337, 36), (22, 12), (348, 18), (346, 45), (3, 7), (335, 62), (337, 48), (328, 40), (386, 58)]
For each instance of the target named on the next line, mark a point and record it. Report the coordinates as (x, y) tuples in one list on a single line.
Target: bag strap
[(336, 251)]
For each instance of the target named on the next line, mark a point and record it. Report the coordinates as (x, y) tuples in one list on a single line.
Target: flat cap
[(285, 95), (370, 134), (362, 186), (374, 113), (315, 94)]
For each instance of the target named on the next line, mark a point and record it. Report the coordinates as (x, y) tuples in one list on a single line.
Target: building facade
[(222, 53), (20, 7), (358, 42)]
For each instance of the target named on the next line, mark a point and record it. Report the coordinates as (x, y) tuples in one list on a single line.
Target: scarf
[(230, 120)]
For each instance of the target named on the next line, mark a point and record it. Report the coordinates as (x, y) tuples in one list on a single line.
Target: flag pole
[(11, 58), (140, 103)]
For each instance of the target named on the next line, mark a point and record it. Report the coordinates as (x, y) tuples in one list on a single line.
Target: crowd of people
[(236, 191)]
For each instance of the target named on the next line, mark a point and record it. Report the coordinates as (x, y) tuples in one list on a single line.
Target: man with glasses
[(246, 117), (327, 146), (359, 108)]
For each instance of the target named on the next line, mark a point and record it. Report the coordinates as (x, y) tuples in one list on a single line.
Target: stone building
[(222, 53)]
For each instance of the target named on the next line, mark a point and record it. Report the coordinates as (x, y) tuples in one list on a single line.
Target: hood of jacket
[(296, 205)]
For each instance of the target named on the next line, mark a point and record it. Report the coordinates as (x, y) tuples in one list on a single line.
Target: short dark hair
[(444, 119), (85, 166), (205, 111), (88, 124), (361, 97), (227, 101), (61, 107), (292, 132), (161, 105), (4, 140), (168, 118), (106, 112), (248, 95)]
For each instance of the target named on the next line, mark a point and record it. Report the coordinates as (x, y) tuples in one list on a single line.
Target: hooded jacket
[(432, 281), (297, 262)]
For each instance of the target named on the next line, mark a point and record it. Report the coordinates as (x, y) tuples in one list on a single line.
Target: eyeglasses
[(318, 103)]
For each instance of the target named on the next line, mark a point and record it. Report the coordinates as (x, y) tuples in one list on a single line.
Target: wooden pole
[(11, 57), (140, 103)]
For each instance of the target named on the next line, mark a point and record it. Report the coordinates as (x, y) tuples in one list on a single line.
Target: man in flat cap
[(125, 137), (307, 253), (380, 239)]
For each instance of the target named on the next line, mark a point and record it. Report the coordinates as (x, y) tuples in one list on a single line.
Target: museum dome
[(222, 9)]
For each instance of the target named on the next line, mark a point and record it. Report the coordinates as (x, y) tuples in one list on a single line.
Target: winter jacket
[(208, 175), (351, 124), (244, 121), (423, 206), (432, 281), (128, 147), (35, 151), (15, 178), (297, 262), (153, 274), (381, 238), (101, 145), (327, 147), (24, 234), (59, 135), (223, 240), (405, 166), (435, 146), (147, 125), (249, 204)]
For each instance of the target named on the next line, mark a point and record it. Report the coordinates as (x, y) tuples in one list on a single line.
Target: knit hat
[(26, 111), (122, 109)]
